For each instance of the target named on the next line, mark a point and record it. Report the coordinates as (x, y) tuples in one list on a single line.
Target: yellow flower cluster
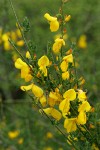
[(57, 90), (14, 35)]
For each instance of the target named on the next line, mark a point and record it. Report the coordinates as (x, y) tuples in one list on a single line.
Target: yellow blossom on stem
[(65, 75), (43, 101), (81, 119), (70, 124), (57, 45), (25, 70), (54, 24), (37, 91), (19, 63), (64, 107), (82, 95), (28, 55), (70, 94), (53, 112), (64, 66), (68, 58), (85, 106), (43, 62), (26, 88)]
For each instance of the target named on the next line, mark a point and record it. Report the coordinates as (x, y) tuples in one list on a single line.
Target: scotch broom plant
[(54, 86)]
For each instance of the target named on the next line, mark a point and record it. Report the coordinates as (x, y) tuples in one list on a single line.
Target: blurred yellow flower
[(7, 46), (5, 37), (13, 35), (54, 24), (48, 148), (67, 18), (82, 43), (57, 45), (20, 43), (49, 135), (20, 141), (18, 33), (13, 134), (94, 147)]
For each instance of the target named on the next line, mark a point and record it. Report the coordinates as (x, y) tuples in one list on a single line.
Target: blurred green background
[(17, 115)]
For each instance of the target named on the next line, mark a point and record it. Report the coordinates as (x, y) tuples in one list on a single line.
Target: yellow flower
[(82, 43), (53, 112), (13, 134), (64, 66), (20, 43), (5, 37), (28, 55), (7, 46), (13, 36), (54, 24), (20, 141), (70, 94), (85, 106), (70, 124), (43, 101), (65, 75), (37, 91), (82, 95), (49, 135), (26, 73), (25, 70), (18, 33), (64, 107), (54, 98), (68, 58), (26, 88), (57, 45), (67, 18), (94, 147), (43, 62), (56, 114), (81, 119), (19, 63)]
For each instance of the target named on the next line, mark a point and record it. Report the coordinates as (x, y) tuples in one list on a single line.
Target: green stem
[(62, 26), (19, 26)]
